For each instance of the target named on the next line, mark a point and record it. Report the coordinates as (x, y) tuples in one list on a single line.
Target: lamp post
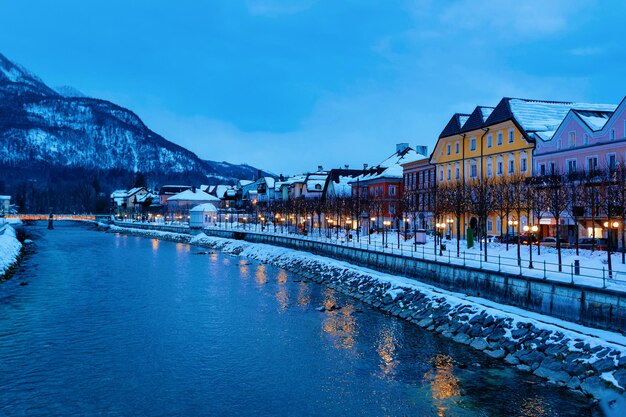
[(449, 228), (440, 230), (406, 227), (369, 231), (513, 225), (530, 231), (611, 228), (386, 224)]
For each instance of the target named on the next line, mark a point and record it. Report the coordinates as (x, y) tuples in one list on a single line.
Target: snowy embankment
[(10, 248), (585, 359)]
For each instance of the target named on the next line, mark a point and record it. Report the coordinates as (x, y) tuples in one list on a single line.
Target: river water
[(126, 326)]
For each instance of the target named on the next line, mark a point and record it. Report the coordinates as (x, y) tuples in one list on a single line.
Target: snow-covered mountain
[(42, 129)]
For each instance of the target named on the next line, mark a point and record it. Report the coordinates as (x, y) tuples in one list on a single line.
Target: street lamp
[(611, 228), (530, 231), (369, 231), (449, 223), (386, 224)]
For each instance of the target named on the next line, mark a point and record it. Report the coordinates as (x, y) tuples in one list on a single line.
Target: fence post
[(544, 270), (423, 255), (499, 269), (481, 261), (603, 279), (520, 269), (448, 256), (571, 271), (463, 258)]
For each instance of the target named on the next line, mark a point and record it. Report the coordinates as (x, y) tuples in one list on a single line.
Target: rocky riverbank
[(582, 359), (10, 250)]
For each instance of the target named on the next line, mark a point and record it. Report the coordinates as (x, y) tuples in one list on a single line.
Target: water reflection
[(243, 268), (226, 261), (214, 257), (444, 385), (155, 245), (261, 275), (304, 294), (534, 407), (339, 324), (386, 347), (281, 294), (282, 277)]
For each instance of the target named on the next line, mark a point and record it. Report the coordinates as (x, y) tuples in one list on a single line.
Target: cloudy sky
[(292, 84)]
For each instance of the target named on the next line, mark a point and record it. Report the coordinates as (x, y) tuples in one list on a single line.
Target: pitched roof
[(595, 119), (477, 119), (538, 118), (454, 125), (190, 195), (390, 167), (204, 207)]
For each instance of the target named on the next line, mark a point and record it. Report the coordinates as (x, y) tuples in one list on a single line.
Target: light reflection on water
[(189, 335), (444, 385)]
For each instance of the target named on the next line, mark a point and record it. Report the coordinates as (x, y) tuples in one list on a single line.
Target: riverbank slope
[(10, 249)]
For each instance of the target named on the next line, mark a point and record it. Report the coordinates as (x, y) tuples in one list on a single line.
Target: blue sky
[(289, 85)]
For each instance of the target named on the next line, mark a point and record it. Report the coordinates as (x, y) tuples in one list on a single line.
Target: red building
[(419, 187), (382, 187)]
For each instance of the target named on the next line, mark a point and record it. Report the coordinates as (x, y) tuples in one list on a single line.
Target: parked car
[(491, 238), (550, 242), (526, 239), (588, 243), (508, 238)]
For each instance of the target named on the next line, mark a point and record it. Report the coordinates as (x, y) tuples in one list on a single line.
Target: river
[(118, 325)]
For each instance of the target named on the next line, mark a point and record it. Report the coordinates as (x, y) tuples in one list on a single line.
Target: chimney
[(320, 168), (400, 147), (422, 150), (346, 166), (365, 167), (259, 174)]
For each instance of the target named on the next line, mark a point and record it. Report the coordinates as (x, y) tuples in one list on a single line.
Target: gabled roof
[(455, 125), (538, 118), (594, 119), (390, 167), (191, 195), (204, 207), (477, 119)]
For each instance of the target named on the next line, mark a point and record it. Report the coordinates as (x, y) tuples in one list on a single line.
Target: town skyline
[(260, 76)]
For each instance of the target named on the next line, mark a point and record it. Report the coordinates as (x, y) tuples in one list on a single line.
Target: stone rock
[(603, 365), (499, 353), (620, 377), (622, 361), (523, 367), (480, 344), (595, 387), (475, 331), (517, 333), (425, 322), (511, 360), (553, 375), (496, 334), (573, 383), (555, 349), (461, 338), (530, 356)]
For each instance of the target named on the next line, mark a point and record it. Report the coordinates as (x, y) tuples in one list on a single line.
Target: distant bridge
[(81, 217)]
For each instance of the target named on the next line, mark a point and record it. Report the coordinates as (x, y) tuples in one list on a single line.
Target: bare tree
[(557, 203)]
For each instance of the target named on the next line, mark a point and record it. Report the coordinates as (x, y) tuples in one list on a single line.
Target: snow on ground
[(10, 247)]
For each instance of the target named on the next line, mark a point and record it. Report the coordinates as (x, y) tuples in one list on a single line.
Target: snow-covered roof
[(390, 167), (119, 194), (269, 181), (315, 181), (145, 197), (190, 195), (594, 119), (243, 183), (204, 208), (539, 118), (5, 197)]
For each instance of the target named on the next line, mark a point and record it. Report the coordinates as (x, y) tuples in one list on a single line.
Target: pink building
[(590, 138)]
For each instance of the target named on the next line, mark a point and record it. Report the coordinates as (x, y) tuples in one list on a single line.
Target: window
[(571, 166), (489, 140), (586, 139), (572, 139), (448, 148), (511, 136), (558, 144), (489, 168), (511, 166), (542, 169), (592, 163), (448, 175), (498, 225), (499, 138), (457, 172), (392, 190), (611, 162), (489, 225), (500, 168), (552, 168), (456, 147), (472, 144), (524, 164), (473, 171), (392, 208), (612, 137), (441, 174)]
